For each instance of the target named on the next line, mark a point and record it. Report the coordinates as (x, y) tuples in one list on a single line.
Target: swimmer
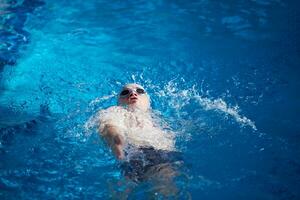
[(130, 130), (131, 122)]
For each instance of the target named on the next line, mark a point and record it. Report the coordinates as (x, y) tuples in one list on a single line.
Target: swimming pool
[(224, 75)]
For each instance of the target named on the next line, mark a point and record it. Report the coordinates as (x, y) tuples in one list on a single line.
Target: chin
[(134, 105), (133, 102)]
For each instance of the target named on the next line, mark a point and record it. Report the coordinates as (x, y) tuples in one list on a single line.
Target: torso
[(138, 129)]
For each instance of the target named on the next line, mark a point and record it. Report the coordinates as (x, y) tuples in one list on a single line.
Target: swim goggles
[(125, 93)]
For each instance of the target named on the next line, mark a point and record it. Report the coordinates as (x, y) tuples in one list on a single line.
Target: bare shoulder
[(110, 117)]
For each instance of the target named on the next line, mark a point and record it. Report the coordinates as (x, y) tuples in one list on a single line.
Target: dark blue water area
[(13, 35), (223, 75)]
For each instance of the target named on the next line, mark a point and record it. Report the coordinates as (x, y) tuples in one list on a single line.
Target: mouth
[(133, 99)]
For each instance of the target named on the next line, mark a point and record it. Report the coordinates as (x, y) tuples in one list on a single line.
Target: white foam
[(131, 124), (137, 127)]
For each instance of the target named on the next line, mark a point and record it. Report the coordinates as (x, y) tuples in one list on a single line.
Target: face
[(134, 96)]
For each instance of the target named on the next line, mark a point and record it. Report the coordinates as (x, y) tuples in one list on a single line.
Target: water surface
[(224, 75)]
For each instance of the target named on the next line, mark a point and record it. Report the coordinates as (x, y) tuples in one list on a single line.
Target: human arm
[(115, 140)]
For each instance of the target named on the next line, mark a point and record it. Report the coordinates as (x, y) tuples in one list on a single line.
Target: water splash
[(182, 97), (175, 97), (100, 99), (221, 105), (91, 124)]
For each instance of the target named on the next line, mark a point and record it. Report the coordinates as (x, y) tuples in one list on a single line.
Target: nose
[(132, 93)]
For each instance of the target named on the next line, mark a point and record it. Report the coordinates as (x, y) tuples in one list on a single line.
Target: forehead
[(132, 86)]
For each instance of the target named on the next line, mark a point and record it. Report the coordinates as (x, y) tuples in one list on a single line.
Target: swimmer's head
[(134, 96)]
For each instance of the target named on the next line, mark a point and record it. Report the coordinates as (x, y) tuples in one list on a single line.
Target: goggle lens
[(126, 92), (140, 91)]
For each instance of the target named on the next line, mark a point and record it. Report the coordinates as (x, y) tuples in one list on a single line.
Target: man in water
[(147, 151)]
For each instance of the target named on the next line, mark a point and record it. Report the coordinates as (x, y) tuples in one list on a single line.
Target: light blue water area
[(224, 75)]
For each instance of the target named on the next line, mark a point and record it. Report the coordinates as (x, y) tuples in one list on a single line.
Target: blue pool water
[(223, 75)]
